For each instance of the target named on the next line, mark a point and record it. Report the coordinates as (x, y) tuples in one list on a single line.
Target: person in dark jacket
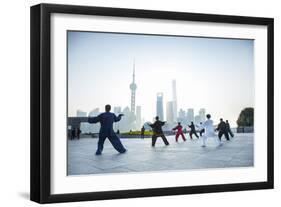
[(72, 133), (222, 128), (106, 120), (192, 130), (229, 128), (142, 132), (78, 132), (157, 131)]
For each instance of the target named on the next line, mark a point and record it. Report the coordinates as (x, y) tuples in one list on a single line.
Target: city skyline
[(158, 60), (136, 122)]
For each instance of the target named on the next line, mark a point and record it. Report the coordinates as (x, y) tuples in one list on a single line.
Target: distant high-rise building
[(170, 112), (94, 112), (202, 114), (182, 116), (80, 113), (117, 110), (181, 113), (138, 117), (159, 106), (175, 104), (133, 87), (127, 122), (197, 119), (190, 115)]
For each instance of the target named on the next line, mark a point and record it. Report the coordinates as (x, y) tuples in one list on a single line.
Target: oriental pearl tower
[(133, 87)]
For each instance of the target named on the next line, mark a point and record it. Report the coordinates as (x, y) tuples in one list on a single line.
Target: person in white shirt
[(201, 129), (209, 131)]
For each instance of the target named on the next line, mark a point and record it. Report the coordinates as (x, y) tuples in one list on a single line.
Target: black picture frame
[(40, 184)]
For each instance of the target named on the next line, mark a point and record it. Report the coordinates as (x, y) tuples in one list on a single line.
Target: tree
[(246, 117)]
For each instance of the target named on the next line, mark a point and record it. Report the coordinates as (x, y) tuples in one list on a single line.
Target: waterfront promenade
[(141, 157)]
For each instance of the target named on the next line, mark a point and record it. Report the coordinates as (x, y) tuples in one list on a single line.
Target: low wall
[(245, 129)]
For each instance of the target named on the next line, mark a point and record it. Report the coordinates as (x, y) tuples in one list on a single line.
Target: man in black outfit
[(142, 132), (157, 131), (228, 128), (192, 130), (73, 133), (222, 128), (78, 132)]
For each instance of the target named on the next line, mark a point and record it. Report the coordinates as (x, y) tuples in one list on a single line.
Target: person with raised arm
[(106, 121), (229, 128), (222, 129), (157, 131), (179, 132), (209, 131), (192, 130)]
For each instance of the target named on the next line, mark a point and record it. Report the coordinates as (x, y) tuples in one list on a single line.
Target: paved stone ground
[(141, 157)]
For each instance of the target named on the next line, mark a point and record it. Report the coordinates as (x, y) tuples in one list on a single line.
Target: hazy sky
[(211, 73)]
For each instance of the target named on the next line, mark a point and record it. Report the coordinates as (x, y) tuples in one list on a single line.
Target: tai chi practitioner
[(192, 130), (222, 128), (157, 131), (201, 129), (179, 132), (209, 131), (106, 120), (228, 128)]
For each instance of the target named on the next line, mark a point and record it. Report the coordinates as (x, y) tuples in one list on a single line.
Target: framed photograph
[(132, 103)]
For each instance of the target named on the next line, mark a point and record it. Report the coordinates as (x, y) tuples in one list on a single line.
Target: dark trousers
[(114, 140), (201, 132), (225, 133), (231, 133), (182, 135), (154, 138), (193, 132)]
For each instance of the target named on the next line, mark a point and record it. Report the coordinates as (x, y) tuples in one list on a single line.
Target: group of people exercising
[(223, 128), (107, 119)]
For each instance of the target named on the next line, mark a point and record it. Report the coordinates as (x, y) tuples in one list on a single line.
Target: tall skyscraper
[(117, 110), (202, 114), (190, 115), (175, 104), (170, 112), (133, 87), (197, 119), (127, 122), (182, 117), (159, 106)]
